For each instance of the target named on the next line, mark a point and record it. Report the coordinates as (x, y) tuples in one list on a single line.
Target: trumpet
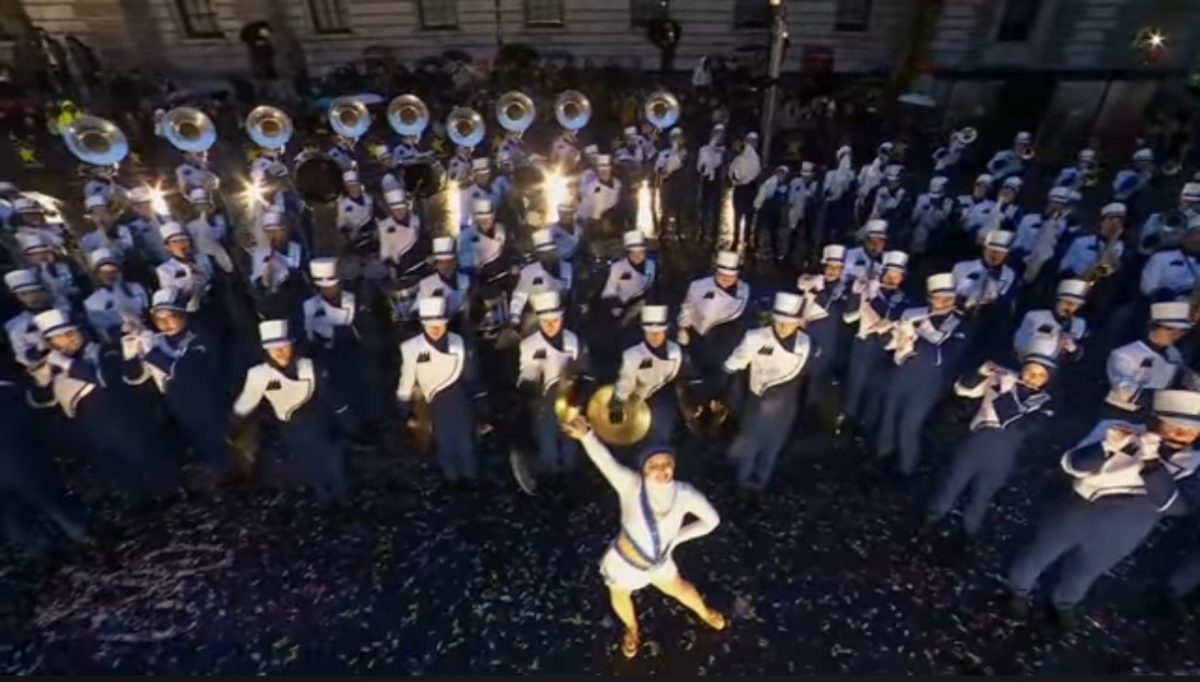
[(1171, 167), (408, 115), (96, 141), (572, 109), (465, 127), (349, 117), (268, 127), (661, 109), (515, 111), (1106, 264), (189, 130)]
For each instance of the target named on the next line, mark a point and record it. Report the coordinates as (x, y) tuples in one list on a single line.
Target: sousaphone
[(96, 141), (188, 129)]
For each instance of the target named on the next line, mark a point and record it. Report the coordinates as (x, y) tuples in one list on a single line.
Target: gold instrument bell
[(96, 141), (189, 130), (628, 431)]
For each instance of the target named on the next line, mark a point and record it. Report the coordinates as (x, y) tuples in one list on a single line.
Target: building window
[(641, 12), (200, 18), (438, 14), (852, 15), (751, 13), (544, 13), (1018, 20), (12, 19), (329, 16)]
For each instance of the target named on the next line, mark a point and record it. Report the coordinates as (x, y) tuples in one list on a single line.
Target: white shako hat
[(654, 318), (787, 307), (324, 271), (833, 253), (1073, 290), (432, 310), (273, 333), (1173, 314), (727, 262), (546, 304), (941, 283), (895, 260), (1181, 408), (53, 322)]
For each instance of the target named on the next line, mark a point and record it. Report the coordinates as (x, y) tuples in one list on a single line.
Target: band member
[(888, 200), (710, 158), (969, 204), (598, 199), (1130, 181), (278, 275), (773, 206), (653, 508), (1103, 248), (356, 223), (825, 297), (672, 183), (565, 231), (1152, 237), (875, 305), (1002, 214), (564, 153), (648, 369), (744, 170), (115, 306), (437, 363), (143, 223), (28, 347), (1039, 238), (932, 214), (187, 272), (712, 320), (1125, 478), (547, 274), (1149, 364), (209, 229), (803, 199), (647, 139), (545, 356), (837, 218), (631, 148), (590, 153), (194, 172), (1014, 404), (483, 188), (89, 383), (1171, 274), (402, 249), (1062, 325), (484, 248), (458, 169), (343, 152), (445, 281), (306, 409), (184, 371), (102, 180), (1073, 178), (775, 357), (630, 281), (106, 232), (928, 344), (333, 328), (986, 293), (64, 281), (1011, 162), (864, 262), (870, 176)]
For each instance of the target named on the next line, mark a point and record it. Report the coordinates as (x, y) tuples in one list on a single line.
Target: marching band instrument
[(420, 423), (318, 177), (268, 127), (465, 127), (188, 129), (96, 141), (661, 109), (629, 430), (349, 117), (1171, 167), (515, 111), (1106, 264), (965, 136), (408, 115), (1027, 152), (572, 109)]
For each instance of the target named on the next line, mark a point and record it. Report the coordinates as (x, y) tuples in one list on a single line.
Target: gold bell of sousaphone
[(515, 111), (349, 117), (572, 109), (630, 430), (96, 141), (661, 109), (966, 136), (408, 115), (465, 127), (420, 424), (188, 129), (268, 127)]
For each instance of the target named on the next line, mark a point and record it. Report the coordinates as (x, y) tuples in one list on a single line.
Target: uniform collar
[(660, 352), (555, 341), (441, 345)]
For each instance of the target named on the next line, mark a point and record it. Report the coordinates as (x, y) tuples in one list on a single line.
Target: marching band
[(539, 281)]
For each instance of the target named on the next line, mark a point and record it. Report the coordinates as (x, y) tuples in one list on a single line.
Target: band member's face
[(551, 326), (168, 322), (1067, 307), (279, 238), (994, 258), (354, 190), (605, 173), (891, 278), (1007, 195), (1111, 226), (1054, 207), (941, 303), (834, 271), (330, 292), (399, 212), (656, 338), (980, 190), (875, 244), (281, 355), (1176, 435), (33, 218), (435, 330), (99, 215), (68, 343), (1166, 336), (180, 248), (445, 266), (203, 206), (482, 178), (108, 274), (725, 280), (1190, 243), (485, 221), (40, 257), (785, 328), (781, 174), (144, 209), (566, 216), (1034, 375), (659, 468), (636, 256), (34, 299)]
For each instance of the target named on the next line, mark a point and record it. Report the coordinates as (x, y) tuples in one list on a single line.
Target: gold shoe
[(630, 644), (715, 620)]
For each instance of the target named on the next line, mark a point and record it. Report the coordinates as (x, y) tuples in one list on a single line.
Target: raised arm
[(621, 478)]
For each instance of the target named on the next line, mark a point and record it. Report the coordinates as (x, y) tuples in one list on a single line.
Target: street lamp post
[(779, 36)]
